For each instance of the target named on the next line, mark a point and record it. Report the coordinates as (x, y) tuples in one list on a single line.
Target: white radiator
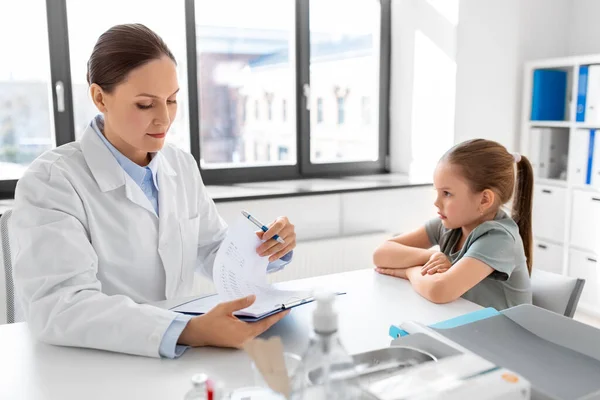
[(321, 257)]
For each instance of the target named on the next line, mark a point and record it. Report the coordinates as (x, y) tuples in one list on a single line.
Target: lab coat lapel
[(107, 172), (170, 246)]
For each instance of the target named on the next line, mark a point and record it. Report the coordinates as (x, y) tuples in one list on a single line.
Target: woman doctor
[(120, 218)]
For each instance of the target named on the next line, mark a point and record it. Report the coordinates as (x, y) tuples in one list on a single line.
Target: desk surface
[(33, 370)]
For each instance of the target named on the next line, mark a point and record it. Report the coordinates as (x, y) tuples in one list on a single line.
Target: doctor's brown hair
[(122, 49), (485, 164)]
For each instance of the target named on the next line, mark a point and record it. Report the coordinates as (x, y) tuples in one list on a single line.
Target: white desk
[(33, 370)]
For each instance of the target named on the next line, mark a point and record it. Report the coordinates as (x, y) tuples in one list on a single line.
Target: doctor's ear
[(98, 97)]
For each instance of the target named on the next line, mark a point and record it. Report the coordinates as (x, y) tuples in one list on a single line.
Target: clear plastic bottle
[(327, 370), (199, 386)]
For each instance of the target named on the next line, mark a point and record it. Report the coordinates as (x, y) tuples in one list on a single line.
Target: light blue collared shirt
[(146, 179)]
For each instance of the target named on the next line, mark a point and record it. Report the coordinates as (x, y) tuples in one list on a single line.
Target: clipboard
[(202, 305)]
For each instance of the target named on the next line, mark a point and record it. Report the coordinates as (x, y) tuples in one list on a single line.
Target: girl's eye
[(143, 107), (447, 194), (171, 101)]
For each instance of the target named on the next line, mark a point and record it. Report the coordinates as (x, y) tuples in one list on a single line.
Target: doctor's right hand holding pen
[(279, 237)]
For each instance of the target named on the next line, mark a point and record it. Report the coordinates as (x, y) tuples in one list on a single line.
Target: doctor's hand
[(272, 248), (220, 328), (438, 263)]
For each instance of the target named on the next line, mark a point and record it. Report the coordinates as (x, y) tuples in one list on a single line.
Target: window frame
[(60, 71), (58, 39)]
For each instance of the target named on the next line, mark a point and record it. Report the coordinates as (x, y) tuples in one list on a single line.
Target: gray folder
[(559, 356)]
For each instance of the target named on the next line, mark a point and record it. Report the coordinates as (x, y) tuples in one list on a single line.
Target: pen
[(261, 226)]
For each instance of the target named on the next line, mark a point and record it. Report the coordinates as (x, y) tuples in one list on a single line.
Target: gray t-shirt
[(498, 244)]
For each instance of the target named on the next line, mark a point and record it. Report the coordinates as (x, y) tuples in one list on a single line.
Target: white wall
[(423, 44), (494, 39), (584, 35), (487, 56), (491, 42)]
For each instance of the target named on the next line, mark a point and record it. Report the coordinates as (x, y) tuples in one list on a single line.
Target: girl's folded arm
[(450, 285), (404, 251)]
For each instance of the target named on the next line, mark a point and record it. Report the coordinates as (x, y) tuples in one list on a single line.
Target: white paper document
[(239, 271)]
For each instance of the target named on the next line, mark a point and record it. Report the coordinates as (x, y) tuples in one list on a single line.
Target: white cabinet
[(547, 256), (394, 211), (585, 265), (313, 216), (585, 220), (548, 212)]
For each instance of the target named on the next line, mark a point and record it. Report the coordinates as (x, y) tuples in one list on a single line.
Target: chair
[(7, 261), (555, 292)]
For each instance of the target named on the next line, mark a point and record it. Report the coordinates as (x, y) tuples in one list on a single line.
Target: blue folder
[(478, 315)]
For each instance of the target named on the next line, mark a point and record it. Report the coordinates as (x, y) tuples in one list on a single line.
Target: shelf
[(537, 238), (586, 188), (582, 249), (551, 182), (583, 125), (550, 124)]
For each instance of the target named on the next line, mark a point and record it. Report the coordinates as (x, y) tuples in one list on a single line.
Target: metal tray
[(380, 363)]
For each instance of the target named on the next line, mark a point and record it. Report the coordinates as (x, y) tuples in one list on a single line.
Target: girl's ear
[(488, 198)]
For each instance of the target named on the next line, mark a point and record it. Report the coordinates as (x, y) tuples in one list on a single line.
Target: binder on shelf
[(549, 149), (578, 156), (595, 178), (582, 92), (549, 95), (592, 102), (538, 156), (590, 157), (558, 149)]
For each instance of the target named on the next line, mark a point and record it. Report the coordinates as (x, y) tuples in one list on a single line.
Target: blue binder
[(582, 93), (549, 95), (590, 161)]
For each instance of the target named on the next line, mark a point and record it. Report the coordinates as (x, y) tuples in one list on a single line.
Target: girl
[(485, 254)]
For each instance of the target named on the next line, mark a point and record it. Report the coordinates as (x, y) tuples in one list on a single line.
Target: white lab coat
[(89, 248)]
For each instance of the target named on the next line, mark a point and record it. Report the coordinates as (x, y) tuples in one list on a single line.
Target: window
[(244, 110), (365, 110), (249, 51), (345, 56), (26, 117), (319, 110), (282, 153), (269, 99), (341, 110), (168, 22), (284, 110), (235, 72)]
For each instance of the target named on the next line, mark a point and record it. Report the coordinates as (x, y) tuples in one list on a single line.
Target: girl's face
[(457, 205), (139, 111)]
